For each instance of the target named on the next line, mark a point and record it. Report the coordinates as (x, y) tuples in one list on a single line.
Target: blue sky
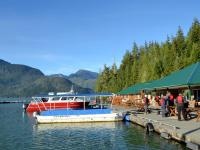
[(63, 36)]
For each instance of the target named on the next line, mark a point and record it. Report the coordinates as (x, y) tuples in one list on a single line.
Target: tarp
[(60, 112), (188, 76)]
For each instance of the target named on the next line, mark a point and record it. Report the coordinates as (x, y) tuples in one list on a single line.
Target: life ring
[(149, 127)]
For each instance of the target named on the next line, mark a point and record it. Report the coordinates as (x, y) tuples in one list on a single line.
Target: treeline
[(152, 61)]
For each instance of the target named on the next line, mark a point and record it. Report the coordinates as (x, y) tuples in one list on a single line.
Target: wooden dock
[(170, 128)]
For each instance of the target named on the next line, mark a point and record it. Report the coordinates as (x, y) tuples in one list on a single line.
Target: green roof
[(135, 88), (188, 76)]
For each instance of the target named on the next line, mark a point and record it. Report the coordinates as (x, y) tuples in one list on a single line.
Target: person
[(163, 107), (157, 99), (167, 102), (171, 100), (146, 103), (180, 107), (186, 110)]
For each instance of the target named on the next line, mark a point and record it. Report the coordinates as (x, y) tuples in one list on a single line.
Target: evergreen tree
[(125, 70), (179, 46), (135, 69), (113, 83), (193, 43)]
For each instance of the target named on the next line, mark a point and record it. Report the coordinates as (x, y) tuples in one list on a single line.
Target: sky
[(63, 36)]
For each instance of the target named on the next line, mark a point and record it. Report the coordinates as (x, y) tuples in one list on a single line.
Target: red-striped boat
[(57, 102)]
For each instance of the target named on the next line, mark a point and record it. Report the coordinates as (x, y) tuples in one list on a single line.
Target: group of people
[(167, 101), (179, 102)]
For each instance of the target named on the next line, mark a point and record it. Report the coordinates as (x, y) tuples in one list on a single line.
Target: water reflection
[(80, 135), (74, 126)]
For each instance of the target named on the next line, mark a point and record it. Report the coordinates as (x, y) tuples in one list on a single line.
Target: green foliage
[(152, 61)]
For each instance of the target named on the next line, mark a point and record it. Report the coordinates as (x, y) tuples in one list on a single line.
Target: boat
[(78, 116), (41, 103), (53, 102)]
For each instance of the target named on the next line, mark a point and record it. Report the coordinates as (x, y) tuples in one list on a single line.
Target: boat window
[(79, 99), (55, 98), (44, 99), (89, 98), (70, 98), (64, 98)]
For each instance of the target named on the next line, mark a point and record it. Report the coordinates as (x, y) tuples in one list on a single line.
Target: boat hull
[(38, 107), (79, 118)]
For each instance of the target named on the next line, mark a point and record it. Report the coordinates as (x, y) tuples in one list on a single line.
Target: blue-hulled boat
[(84, 115)]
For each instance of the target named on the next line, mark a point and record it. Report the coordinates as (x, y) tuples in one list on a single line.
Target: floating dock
[(170, 128)]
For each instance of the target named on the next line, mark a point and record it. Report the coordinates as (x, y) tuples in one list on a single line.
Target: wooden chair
[(172, 110), (198, 115)]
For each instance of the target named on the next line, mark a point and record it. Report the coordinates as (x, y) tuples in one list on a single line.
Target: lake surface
[(18, 131)]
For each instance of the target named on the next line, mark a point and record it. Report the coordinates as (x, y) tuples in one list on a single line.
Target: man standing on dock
[(180, 107), (146, 104)]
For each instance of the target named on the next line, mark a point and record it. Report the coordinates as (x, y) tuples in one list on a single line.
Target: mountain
[(52, 84), (59, 75), (22, 80), (9, 72), (84, 78), (84, 74)]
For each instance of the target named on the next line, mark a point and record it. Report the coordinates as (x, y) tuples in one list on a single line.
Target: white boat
[(75, 116)]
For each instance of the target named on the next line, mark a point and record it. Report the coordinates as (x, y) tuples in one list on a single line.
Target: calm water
[(18, 131)]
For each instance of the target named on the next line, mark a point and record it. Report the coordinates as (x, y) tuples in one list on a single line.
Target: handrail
[(40, 102)]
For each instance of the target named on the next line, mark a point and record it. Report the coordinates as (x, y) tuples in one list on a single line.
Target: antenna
[(115, 71)]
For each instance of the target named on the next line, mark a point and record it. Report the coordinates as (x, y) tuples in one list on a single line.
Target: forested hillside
[(22, 80), (152, 60)]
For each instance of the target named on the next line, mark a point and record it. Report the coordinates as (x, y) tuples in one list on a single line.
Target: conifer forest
[(152, 60)]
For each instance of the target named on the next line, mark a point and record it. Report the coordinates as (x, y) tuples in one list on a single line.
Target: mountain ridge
[(83, 78), (22, 80)]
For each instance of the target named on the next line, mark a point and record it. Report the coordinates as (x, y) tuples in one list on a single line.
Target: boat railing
[(38, 100)]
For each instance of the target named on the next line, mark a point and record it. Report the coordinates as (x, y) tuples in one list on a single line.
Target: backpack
[(180, 99)]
